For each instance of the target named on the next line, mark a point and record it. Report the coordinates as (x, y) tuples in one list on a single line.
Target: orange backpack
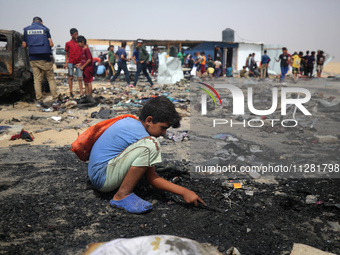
[(84, 143)]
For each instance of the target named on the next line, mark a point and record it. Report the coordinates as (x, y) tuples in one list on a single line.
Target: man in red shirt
[(72, 58)]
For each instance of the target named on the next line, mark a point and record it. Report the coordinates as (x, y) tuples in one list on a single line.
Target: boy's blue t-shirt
[(121, 52), (265, 59), (110, 144)]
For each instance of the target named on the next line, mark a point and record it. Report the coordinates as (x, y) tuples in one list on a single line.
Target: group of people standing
[(140, 57), (78, 60), (205, 65), (303, 65)]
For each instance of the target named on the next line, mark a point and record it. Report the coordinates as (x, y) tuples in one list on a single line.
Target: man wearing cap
[(38, 39), (142, 62)]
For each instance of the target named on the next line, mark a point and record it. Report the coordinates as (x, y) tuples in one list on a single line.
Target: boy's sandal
[(132, 204)]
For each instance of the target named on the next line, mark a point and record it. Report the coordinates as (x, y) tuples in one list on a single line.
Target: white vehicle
[(59, 56)]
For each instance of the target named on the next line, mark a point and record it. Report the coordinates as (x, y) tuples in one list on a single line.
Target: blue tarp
[(208, 48)]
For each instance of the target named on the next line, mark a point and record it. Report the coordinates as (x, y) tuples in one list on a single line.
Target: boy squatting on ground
[(128, 149)]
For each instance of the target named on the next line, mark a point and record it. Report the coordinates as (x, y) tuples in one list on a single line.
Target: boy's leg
[(130, 181), (117, 73), (89, 88), (146, 73), (126, 72), (141, 154), (139, 69), (86, 88), (125, 171), (80, 82), (70, 68)]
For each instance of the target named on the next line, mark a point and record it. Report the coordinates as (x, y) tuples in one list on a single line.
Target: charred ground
[(48, 206)]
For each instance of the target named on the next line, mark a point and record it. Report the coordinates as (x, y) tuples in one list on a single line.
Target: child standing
[(217, 67), (86, 65), (285, 61), (296, 60)]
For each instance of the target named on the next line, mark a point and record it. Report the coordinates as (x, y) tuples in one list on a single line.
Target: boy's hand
[(191, 197)]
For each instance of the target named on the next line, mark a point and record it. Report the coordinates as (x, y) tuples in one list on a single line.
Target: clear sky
[(296, 24)]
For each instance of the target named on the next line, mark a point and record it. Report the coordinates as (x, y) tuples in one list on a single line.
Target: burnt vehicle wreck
[(16, 78)]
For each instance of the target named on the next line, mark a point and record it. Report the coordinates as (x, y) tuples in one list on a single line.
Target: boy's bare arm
[(155, 180), (86, 63), (66, 59)]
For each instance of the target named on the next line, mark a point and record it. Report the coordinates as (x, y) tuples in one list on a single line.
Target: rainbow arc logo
[(209, 93)]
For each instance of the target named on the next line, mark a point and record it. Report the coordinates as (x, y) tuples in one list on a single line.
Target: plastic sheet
[(169, 70), (160, 244)]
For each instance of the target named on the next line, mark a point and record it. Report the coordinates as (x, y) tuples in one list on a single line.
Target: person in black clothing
[(310, 64), (304, 62)]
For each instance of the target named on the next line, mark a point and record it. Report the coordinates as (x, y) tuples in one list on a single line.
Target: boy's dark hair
[(81, 39), (313, 53), (284, 48), (123, 44), (161, 109), (203, 53), (300, 53), (73, 30), (265, 51), (307, 52)]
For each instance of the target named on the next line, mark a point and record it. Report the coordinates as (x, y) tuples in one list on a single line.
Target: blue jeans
[(122, 66), (217, 72), (140, 67), (71, 67), (284, 70)]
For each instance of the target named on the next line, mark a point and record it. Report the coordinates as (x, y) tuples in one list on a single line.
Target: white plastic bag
[(193, 71), (156, 244)]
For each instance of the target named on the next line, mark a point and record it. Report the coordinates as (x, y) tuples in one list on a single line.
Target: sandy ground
[(331, 68)]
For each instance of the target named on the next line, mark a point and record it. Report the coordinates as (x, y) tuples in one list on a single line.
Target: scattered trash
[(311, 199), (56, 118), (232, 184), (41, 130), (255, 148), (103, 114), (153, 244), (177, 137), (254, 174), (249, 193), (325, 106), (233, 251), (23, 135), (169, 69), (326, 139)]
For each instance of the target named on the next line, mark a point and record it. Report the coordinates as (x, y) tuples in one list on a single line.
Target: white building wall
[(244, 49)]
